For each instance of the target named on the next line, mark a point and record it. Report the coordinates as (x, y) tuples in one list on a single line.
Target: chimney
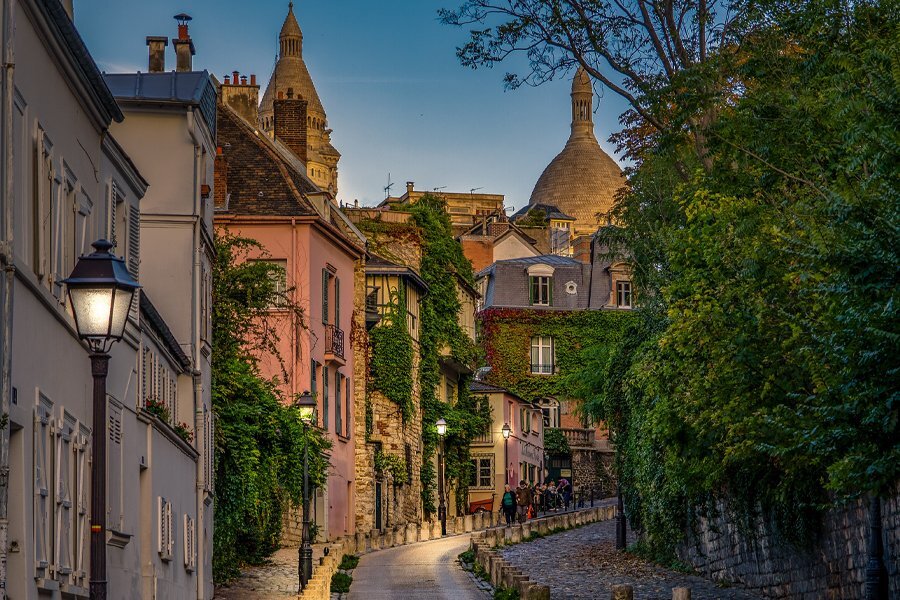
[(290, 123), (220, 181), (409, 187), (184, 47), (157, 44), (243, 98)]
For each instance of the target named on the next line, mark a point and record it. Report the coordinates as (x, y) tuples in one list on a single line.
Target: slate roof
[(189, 88), (554, 260), (64, 30), (551, 212)]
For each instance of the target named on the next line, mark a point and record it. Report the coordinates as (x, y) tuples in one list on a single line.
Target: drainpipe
[(196, 357), (6, 286)]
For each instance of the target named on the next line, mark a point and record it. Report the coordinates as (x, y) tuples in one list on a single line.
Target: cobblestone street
[(583, 564), (275, 580)]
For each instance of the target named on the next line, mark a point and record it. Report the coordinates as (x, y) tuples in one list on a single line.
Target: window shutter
[(114, 468), (531, 283), (64, 459), (325, 296), (190, 548), (325, 397), (134, 240), (42, 470), (337, 302), (549, 291), (82, 497), (165, 529), (347, 405), (208, 449), (338, 425)]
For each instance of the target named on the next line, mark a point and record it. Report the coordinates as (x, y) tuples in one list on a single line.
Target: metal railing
[(542, 369), (334, 341)]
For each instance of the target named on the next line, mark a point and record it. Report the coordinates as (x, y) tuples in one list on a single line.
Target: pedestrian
[(552, 496), (565, 488), (523, 500), (538, 497), (508, 504)]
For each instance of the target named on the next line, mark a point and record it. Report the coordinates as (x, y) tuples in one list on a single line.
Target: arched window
[(550, 409)]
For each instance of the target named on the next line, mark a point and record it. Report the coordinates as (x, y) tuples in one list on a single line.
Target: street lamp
[(101, 291), (306, 406), (505, 431), (442, 508)]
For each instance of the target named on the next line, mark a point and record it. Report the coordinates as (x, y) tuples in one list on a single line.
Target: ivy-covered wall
[(507, 332)]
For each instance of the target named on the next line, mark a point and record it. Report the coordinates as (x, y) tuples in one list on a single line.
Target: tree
[(656, 54)]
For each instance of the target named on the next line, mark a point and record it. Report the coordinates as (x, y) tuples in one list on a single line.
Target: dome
[(582, 180)]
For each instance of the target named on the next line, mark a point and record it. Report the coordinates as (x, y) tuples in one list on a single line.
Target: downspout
[(591, 273), (6, 287), (196, 371)]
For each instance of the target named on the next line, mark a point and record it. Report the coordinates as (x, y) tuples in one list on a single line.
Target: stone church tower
[(291, 80)]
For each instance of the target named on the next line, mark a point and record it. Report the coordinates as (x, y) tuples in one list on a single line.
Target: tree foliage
[(259, 439)]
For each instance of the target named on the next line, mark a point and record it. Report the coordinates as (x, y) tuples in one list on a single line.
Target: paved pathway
[(582, 564), (276, 580), (423, 570)]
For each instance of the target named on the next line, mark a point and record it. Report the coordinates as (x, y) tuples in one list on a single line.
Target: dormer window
[(541, 290), (623, 294)]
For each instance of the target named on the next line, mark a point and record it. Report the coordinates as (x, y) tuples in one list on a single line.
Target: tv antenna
[(387, 188), (473, 190), (437, 189)]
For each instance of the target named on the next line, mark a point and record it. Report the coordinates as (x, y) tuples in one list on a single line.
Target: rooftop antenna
[(473, 190), (387, 188), (437, 189)]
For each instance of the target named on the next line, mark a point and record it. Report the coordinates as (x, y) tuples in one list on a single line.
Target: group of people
[(527, 500)]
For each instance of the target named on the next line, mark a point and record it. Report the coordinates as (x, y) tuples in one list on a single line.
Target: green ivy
[(555, 443), (393, 464), (392, 356)]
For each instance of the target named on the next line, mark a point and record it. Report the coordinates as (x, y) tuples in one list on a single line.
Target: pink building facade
[(265, 195)]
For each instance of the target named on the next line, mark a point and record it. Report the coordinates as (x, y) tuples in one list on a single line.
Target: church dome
[(582, 180)]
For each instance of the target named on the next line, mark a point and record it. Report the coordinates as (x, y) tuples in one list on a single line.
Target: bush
[(340, 583), (348, 562), (505, 593)]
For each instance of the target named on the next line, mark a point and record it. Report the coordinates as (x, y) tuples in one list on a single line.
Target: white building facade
[(65, 182)]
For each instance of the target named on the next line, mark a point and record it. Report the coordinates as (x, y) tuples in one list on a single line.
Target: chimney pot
[(280, 95), (184, 46), (409, 187), (227, 79), (243, 80), (252, 79), (234, 76)]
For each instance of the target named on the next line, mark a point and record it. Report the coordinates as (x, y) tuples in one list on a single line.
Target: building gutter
[(6, 285)]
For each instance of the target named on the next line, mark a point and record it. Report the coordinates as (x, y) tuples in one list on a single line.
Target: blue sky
[(397, 98)]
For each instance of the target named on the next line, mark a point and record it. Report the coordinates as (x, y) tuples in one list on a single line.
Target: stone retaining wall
[(502, 573), (319, 587), (834, 569)]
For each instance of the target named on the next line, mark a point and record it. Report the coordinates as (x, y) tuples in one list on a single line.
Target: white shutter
[(190, 548), (134, 240), (208, 449), (114, 467), (81, 538), (165, 529), (64, 466), (42, 474)]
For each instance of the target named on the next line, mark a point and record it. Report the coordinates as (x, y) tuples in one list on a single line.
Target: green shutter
[(337, 302), (325, 296), (531, 281)]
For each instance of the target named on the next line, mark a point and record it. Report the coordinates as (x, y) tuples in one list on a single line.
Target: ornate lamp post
[(442, 508), (100, 291), (306, 405), (506, 431)]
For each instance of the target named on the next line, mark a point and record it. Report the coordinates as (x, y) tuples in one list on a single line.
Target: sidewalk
[(277, 579)]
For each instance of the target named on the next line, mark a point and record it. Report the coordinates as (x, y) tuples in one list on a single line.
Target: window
[(524, 420), (338, 416), (325, 397), (190, 546), (347, 404), (541, 291), (623, 294), (542, 359), (482, 471), (278, 277), (337, 302), (449, 391), (314, 383), (165, 534)]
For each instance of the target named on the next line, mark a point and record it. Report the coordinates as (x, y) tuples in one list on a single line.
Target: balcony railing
[(540, 369), (334, 342), (579, 438)]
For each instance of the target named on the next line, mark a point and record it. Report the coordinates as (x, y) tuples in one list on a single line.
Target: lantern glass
[(306, 405), (92, 307), (120, 308), (441, 427), (506, 431)]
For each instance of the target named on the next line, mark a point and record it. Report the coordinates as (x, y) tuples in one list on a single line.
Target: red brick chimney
[(157, 44), (290, 123), (184, 47)]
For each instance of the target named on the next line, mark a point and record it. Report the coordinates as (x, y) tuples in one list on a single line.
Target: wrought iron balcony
[(542, 369), (334, 343)]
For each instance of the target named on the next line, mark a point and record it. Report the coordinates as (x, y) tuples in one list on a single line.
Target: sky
[(398, 101)]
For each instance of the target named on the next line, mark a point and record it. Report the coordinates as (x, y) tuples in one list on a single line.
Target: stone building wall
[(592, 469), (364, 478), (833, 569)]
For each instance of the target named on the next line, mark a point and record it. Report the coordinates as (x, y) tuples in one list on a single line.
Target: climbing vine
[(392, 464), (392, 356), (555, 443), (442, 265)]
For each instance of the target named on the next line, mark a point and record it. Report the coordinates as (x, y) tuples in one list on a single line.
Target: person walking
[(565, 488), (523, 500), (508, 504)]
